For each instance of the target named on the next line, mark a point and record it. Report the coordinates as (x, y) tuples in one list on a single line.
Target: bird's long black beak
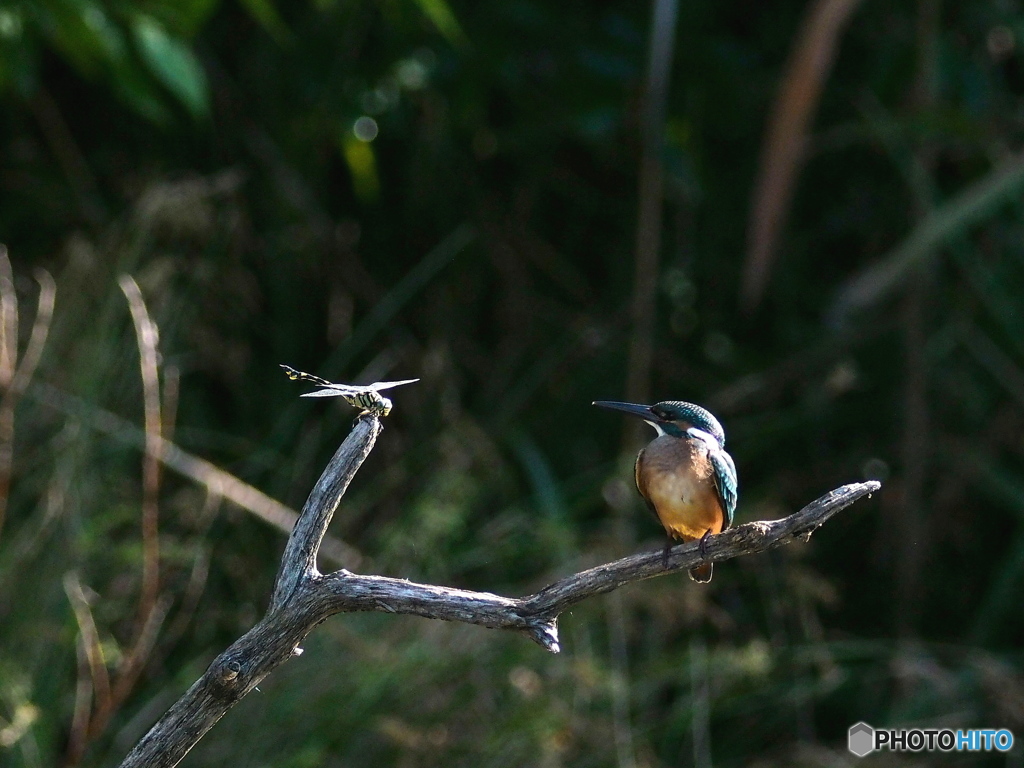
[(633, 409)]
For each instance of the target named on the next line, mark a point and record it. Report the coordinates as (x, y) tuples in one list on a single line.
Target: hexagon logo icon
[(861, 739)]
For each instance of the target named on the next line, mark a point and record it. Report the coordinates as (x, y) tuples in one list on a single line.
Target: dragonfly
[(367, 397)]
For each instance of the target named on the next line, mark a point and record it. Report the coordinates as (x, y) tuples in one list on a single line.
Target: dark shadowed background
[(806, 216)]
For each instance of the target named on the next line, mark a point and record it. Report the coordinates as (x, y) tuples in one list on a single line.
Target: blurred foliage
[(448, 190)]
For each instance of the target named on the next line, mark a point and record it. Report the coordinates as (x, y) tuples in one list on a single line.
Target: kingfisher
[(684, 474)]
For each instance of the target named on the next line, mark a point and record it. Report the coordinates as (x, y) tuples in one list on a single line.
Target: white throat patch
[(657, 427)]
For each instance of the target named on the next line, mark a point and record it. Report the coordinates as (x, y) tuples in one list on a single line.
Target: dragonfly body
[(367, 398)]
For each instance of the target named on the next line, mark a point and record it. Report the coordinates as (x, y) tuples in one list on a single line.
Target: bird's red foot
[(704, 543), (665, 552)]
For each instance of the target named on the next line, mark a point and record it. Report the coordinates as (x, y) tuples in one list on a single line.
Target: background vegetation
[(413, 188)]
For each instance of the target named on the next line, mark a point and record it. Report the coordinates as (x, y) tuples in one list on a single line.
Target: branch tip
[(545, 634)]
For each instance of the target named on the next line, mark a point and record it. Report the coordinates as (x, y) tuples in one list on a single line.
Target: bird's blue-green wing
[(725, 482), (725, 471)]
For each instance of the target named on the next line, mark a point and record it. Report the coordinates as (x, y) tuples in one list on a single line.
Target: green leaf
[(972, 205), (86, 36), (136, 89), (18, 56), (440, 13), (173, 64), (266, 14), (185, 17), (362, 164)]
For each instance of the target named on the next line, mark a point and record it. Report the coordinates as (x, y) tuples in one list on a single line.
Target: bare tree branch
[(303, 598), (298, 565)]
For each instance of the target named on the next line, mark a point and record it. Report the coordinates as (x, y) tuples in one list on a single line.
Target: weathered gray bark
[(303, 597)]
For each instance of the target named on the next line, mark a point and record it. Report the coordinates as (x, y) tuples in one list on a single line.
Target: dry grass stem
[(15, 376), (783, 153), (651, 185), (93, 692), (147, 337), (216, 480)]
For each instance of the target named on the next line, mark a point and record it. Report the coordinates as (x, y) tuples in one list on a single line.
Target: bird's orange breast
[(675, 476)]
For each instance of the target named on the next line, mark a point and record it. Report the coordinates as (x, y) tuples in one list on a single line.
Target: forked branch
[(303, 597)]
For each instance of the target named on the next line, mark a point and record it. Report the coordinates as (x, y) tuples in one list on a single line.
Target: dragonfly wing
[(296, 375), (332, 391), (379, 385)]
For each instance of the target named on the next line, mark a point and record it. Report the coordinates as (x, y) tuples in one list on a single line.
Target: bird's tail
[(702, 573)]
